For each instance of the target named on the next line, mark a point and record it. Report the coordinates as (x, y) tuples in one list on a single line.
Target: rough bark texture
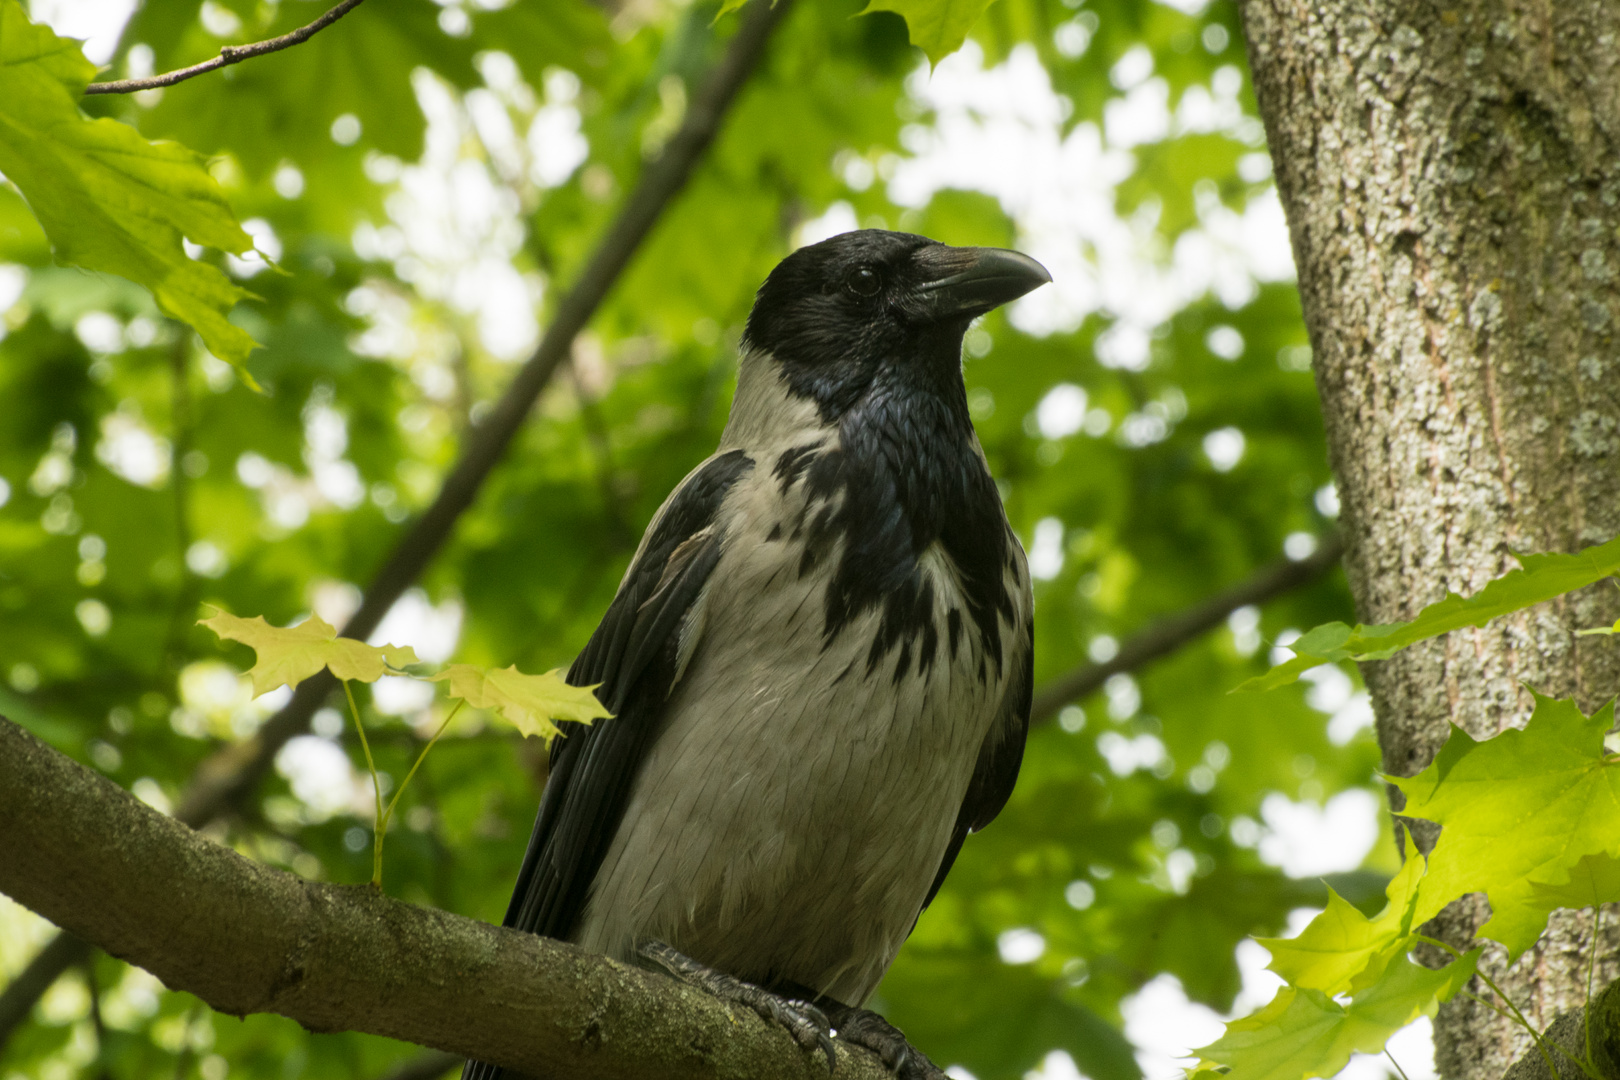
[(1451, 176), (87, 855), (1570, 1030)]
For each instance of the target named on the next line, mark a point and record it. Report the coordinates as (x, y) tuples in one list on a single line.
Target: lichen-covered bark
[(87, 855), (1451, 174)]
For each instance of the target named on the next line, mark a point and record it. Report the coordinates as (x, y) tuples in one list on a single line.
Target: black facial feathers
[(869, 326)]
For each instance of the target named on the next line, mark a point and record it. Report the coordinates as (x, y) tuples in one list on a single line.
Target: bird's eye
[(863, 281)]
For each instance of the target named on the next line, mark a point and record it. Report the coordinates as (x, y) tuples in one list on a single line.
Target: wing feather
[(1000, 755)]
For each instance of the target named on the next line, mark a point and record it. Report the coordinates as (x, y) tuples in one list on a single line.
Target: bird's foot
[(862, 1027), (807, 1024)]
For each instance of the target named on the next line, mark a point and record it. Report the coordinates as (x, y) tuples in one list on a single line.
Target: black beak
[(962, 283)]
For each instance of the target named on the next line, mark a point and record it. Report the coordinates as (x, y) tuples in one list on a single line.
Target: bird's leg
[(863, 1027), (806, 1023)]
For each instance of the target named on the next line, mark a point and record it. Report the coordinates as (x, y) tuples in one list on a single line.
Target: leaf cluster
[(1530, 818)]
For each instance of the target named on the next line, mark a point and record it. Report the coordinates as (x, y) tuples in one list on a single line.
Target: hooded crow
[(818, 662)]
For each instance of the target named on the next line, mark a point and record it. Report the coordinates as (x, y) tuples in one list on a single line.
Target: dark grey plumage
[(819, 659)]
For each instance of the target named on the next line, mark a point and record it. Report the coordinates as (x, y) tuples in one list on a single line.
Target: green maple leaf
[(1343, 950), (1522, 807), (289, 655), (937, 27), (108, 199), (1594, 880), (528, 702), (1305, 1033), (1540, 578)]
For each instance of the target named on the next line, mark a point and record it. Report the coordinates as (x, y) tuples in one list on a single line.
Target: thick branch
[(236, 769), (1156, 641), (1172, 633), (245, 938), (228, 55)]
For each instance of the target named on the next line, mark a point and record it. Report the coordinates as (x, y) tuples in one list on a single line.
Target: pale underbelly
[(791, 834)]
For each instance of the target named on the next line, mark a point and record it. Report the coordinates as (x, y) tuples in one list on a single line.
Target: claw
[(805, 1022), (864, 1028)]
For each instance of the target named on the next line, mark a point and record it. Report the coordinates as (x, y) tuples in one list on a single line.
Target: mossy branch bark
[(246, 938)]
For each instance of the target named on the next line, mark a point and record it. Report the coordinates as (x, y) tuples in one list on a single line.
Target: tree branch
[(233, 770), (228, 55), (245, 938), (1170, 634), (1156, 641)]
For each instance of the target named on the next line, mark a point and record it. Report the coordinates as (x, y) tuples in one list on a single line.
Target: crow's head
[(874, 307)]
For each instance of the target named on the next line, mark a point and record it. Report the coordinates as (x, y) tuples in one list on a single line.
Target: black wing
[(632, 655), (999, 758)]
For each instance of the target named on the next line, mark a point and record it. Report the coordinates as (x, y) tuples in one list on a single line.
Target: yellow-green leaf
[(289, 655), (1305, 1033), (107, 198), (937, 27), (1594, 880), (1524, 806), (1343, 950), (1540, 578), (528, 702)]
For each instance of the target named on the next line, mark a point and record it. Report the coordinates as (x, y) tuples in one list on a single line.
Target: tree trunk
[(1451, 176)]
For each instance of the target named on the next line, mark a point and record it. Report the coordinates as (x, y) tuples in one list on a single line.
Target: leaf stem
[(1491, 1005), (1541, 1044), (1591, 970), (389, 813), (1395, 1063), (376, 789)]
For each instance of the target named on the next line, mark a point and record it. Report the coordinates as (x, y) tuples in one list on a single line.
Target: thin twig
[(228, 55), (1168, 635), (376, 788)]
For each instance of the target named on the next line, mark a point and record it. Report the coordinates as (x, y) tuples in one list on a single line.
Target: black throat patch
[(904, 477)]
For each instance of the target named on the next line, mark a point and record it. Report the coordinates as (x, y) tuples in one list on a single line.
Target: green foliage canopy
[(402, 166)]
